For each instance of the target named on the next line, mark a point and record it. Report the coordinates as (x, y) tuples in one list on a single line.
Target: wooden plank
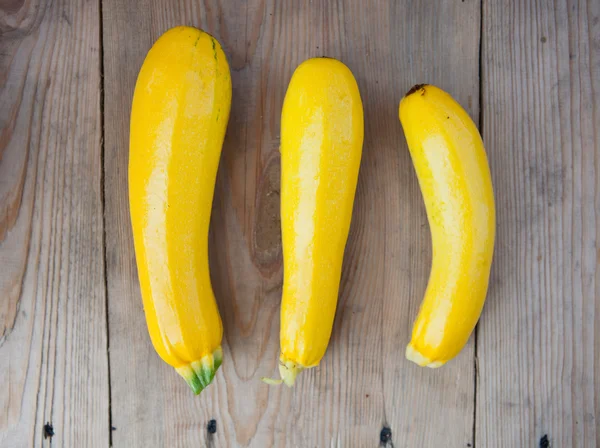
[(53, 357), (364, 382), (539, 351)]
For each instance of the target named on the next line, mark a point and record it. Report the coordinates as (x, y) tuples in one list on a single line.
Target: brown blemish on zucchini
[(214, 45), (416, 88)]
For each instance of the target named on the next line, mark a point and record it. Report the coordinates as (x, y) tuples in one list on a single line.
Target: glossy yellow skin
[(454, 176), (321, 146), (178, 120)]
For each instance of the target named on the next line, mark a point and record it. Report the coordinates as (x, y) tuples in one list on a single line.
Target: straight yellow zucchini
[(178, 120), (321, 146)]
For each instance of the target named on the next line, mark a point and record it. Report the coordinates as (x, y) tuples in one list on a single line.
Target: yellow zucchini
[(178, 120), (321, 145), (454, 176)]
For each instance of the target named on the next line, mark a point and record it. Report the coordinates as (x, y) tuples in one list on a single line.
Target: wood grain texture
[(539, 338), (53, 358), (364, 382)]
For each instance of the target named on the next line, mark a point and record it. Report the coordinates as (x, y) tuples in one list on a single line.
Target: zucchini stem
[(199, 374), (414, 355), (271, 381), (288, 371)]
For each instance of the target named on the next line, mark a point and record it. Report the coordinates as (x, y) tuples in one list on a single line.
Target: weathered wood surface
[(539, 336), (364, 383), (538, 345), (53, 336)]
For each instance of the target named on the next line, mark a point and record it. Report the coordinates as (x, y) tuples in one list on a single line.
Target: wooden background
[(74, 350)]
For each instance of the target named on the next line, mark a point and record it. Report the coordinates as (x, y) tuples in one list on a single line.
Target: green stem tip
[(199, 374)]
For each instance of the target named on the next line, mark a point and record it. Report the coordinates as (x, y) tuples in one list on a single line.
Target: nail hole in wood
[(212, 426), (48, 430)]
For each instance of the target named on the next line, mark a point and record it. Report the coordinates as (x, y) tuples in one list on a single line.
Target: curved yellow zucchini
[(321, 145), (178, 120), (453, 173)]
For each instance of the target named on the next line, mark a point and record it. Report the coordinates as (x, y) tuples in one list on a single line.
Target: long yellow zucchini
[(178, 120), (321, 146), (453, 173)]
